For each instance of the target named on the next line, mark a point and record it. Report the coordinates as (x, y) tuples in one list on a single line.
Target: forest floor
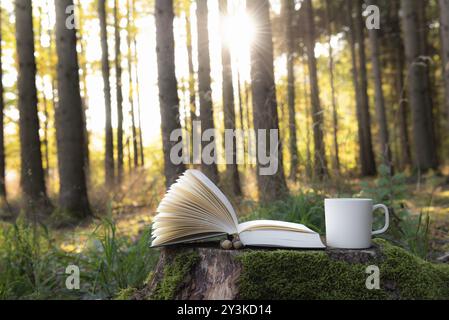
[(132, 217), (133, 206)]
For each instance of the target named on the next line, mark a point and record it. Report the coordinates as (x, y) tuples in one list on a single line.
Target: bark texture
[(32, 172), (2, 119), (139, 104), (105, 69), (130, 25), (404, 157), (384, 140), (289, 11), (320, 162), (204, 85), (444, 30), (119, 92), (192, 86), (367, 154), (333, 90), (265, 109), (69, 118), (418, 90), (83, 87), (214, 275), (229, 102), (168, 87)]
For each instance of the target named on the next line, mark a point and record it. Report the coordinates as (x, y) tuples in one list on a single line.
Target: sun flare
[(239, 32)]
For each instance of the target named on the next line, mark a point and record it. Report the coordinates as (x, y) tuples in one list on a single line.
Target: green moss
[(413, 277), (286, 274), (174, 275), (301, 275), (125, 294), (149, 278)]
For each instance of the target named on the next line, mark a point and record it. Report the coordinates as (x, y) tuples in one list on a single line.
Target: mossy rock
[(187, 272), (125, 294)]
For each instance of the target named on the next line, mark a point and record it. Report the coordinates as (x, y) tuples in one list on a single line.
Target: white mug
[(349, 222)]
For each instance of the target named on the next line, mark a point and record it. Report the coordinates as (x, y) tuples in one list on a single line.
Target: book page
[(220, 195), (281, 239), (273, 225), (192, 209)]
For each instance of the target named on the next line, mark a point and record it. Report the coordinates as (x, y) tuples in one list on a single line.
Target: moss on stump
[(186, 272)]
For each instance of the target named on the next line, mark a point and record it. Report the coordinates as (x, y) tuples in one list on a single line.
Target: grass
[(32, 264), (305, 208)]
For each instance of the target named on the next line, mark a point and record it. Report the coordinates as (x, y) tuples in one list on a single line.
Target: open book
[(195, 209)]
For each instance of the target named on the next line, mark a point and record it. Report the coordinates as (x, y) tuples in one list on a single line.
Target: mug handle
[(387, 218)]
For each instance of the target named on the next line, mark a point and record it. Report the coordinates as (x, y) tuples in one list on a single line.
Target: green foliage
[(305, 208), (406, 229), (32, 265), (389, 189), (114, 263), (284, 274), (125, 294), (174, 275)]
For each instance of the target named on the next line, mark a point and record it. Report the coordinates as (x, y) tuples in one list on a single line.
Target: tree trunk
[(45, 141), (320, 162), (168, 87), (241, 114), (2, 119), (131, 86), (118, 75), (128, 149), (69, 117), (139, 104), (288, 7), (444, 30), (205, 272), (308, 125), (105, 67), (247, 90), (406, 154), (84, 93), (429, 81), (265, 109), (379, 97), (204, 85), (368, 154), (401, 132), (333, 93), (229, 101), (32, 172), (425, 149), (52, 54), (192, 91)]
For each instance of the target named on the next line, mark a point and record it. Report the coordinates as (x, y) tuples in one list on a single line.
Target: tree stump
[(207, 272)]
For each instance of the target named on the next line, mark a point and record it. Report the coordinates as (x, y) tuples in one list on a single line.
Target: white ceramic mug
[(349, 222)]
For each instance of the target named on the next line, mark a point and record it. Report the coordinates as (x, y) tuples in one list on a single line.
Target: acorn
[(226, 245), (237, 245)]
